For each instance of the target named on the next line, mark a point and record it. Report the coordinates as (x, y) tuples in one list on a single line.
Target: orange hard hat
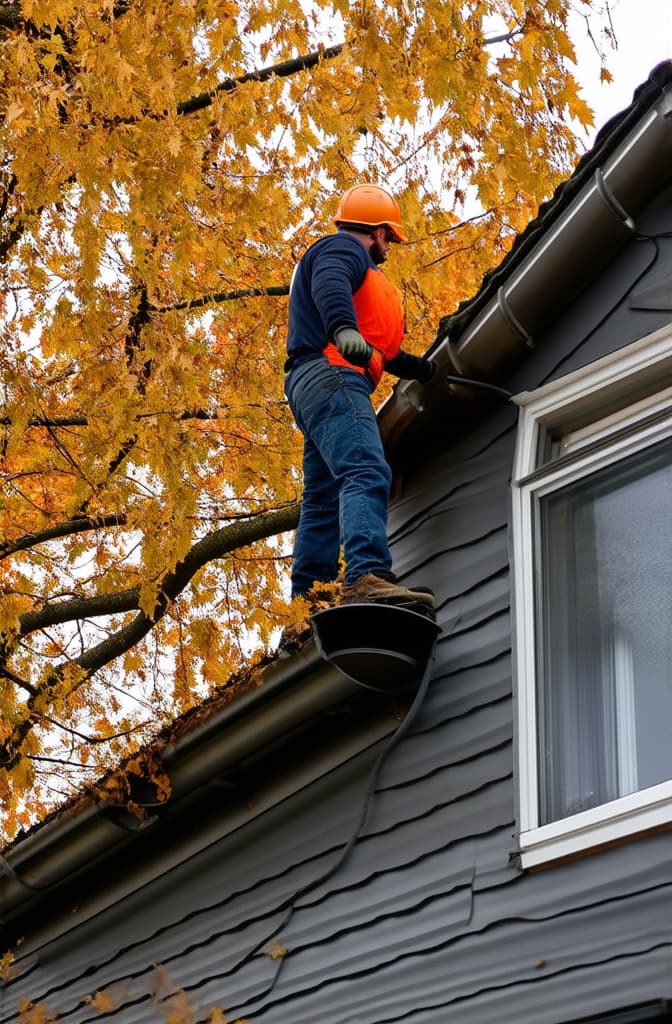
[(372, 206)]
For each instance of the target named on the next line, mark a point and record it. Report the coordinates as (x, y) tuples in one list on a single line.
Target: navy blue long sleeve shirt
[(320, 302), (320, 299)]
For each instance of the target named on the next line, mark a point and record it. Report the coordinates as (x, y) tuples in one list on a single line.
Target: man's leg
[(352, 448), (358, 461), (317, 541), (332, 407)]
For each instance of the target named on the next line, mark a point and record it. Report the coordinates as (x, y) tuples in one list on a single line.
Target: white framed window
[(592, 584)]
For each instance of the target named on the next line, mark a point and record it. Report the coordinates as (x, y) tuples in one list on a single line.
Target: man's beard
[(377, 254)]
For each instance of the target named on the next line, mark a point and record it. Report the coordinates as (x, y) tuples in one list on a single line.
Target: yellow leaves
[(15, 114), (216, 1016), (11, 607), (568, 98), (119, 787), (529, 46), (124, 71), (6, 961), (133, 662), (52, 51), (162, 422), (174, 142), (35, 1013), (14, 783), (208, 643), (276, 951), (563, 45), (175, 1007), (103, 1002), (23, 775), (46, 14), (228, 9), (36, 11)]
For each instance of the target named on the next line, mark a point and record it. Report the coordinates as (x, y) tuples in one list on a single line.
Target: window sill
[(617, 820)]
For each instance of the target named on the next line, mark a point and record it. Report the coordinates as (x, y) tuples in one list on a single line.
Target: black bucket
[(382, 647)]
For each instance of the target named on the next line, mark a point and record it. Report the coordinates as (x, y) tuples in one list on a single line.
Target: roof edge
[(592, 216)]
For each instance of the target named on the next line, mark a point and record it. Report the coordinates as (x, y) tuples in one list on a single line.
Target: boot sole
[(413, 604)]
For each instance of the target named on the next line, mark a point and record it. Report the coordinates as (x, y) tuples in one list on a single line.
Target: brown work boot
[(370, 588)]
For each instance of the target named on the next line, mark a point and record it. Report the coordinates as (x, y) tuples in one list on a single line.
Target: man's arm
[(337, 271)]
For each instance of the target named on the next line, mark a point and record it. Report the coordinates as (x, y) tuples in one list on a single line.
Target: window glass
[(603, 562)]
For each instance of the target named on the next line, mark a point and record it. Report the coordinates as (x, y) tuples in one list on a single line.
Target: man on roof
[(346, 324)]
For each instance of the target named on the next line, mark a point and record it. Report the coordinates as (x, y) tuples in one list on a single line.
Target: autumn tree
[(163, 165)]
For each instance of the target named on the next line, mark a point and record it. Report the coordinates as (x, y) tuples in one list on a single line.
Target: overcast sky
[(644, 32)]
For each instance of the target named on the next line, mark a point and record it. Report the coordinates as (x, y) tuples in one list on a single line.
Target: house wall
[(430, 919)]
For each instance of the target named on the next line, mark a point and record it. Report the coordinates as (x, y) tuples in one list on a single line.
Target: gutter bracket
[(511, 319), (610, 200), (665, 106), (454, 358), (8, 871)]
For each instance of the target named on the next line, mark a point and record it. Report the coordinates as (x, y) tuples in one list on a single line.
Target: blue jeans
[(346, 478)]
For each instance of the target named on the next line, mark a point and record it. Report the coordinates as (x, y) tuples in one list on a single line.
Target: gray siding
[(429, 920)]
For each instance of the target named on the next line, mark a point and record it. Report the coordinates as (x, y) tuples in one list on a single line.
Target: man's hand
[(353, 346)]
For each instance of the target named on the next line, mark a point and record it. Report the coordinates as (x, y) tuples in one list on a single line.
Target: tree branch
[(48, 421), (12, 236), (10, 15), (238, 293), (10, 18), (18, 681), (93, 740), (209, 548), (281, 70), (6, 194), (505, 37), (83, 421), (221, 542), (79, 524), (214, 546), (78, 608)]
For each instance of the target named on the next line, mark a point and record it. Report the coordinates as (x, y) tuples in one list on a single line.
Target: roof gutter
[(550, 272), (293, 691)]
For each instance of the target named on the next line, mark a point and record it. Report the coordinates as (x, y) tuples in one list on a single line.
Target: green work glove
[(353, 346)]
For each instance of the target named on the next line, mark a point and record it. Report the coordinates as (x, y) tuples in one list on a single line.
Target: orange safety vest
[(380, 319)]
